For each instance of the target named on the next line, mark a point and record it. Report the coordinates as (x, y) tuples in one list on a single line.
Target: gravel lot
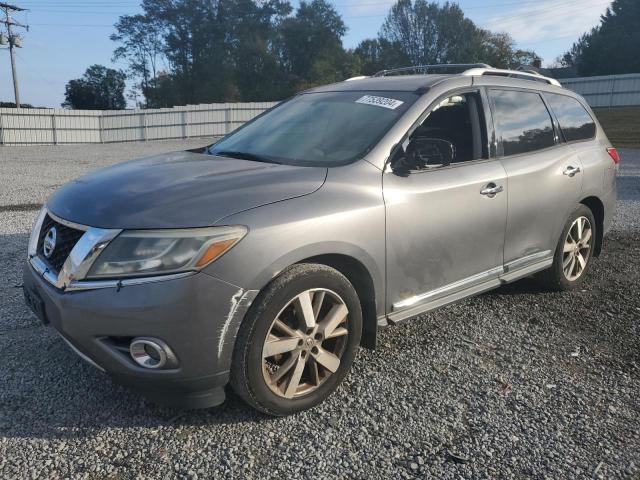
[(514, 383)]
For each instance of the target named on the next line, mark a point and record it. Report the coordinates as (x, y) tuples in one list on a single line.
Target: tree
[(379, 54), (141, 46), (431, 34), (498, 50), (213, 50), (571, 57), (423, 33), (248, 50), (257, 71), (13, 105), (311, 45), (100, 88), (613, 47)]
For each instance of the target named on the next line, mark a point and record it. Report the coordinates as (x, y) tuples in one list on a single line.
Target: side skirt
[(469, 287)]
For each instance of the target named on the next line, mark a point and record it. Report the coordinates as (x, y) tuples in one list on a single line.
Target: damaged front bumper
[(197, 316)]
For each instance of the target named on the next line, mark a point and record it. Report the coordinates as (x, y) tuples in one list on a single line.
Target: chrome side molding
[(486, 280), (450, 288)]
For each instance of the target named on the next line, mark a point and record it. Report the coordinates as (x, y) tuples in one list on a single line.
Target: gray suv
[(267, 258)]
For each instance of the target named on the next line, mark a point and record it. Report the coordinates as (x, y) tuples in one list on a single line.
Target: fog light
[(152, 353)]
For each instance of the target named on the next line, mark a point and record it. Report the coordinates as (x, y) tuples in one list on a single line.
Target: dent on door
[(443, 227)]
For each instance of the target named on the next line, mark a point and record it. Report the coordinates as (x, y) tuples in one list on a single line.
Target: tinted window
[(575, 122), (523, 123), (319, 129)]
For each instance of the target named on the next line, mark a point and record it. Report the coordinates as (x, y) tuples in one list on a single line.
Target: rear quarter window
[(575, 122), (523, 123)]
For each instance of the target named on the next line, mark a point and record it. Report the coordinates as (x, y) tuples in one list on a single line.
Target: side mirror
[(422, 153), (430, 152)]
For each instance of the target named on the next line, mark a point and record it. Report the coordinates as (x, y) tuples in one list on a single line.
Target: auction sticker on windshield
[(390, 103)]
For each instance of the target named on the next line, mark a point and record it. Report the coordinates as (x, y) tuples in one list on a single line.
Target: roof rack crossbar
[(439, 68), (525, 75)]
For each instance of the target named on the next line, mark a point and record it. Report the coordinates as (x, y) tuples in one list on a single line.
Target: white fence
[(58, 126), (607, 91)]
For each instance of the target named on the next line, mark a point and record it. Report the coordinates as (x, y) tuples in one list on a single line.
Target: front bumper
[(198, 316)]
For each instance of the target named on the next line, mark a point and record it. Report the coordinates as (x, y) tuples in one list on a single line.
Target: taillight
[(613, 153)]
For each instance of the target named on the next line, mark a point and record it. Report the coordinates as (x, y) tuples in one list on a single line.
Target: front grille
[(66, 239)]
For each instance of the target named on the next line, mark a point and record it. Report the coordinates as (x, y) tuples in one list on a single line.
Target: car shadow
[(524, 286)]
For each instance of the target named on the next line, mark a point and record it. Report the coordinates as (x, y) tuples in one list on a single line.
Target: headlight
[(154, 252)]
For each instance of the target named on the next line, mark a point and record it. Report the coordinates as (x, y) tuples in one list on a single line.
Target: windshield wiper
[(244, 156)]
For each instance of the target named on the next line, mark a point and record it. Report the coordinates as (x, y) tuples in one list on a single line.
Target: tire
[(555, 278), (255, 373)]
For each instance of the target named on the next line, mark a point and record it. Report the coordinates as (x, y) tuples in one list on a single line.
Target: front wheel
[(298, 341), (573, 252)]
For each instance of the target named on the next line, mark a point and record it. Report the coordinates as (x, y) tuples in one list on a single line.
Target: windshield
[(318, 129)]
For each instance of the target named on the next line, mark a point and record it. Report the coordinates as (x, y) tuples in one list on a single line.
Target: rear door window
[(575, 122), (523, 123)]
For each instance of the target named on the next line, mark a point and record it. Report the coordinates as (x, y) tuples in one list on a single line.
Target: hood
[(179, 190)]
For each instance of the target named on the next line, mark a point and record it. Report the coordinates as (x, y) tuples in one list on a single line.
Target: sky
[(67, 36)]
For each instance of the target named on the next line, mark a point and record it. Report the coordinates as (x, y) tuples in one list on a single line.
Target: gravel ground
[(516, 383)]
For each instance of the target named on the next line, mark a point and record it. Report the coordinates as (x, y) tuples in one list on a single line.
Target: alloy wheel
[(577, 246), (305, 343)]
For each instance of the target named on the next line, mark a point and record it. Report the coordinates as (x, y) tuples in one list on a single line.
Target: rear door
[(544, 175), (579, 130)]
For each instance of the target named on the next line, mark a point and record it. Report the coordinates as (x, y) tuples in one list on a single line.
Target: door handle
[(491, 190), (570, 171)]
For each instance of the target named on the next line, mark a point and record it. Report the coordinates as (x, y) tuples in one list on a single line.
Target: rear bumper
[(197, 316)]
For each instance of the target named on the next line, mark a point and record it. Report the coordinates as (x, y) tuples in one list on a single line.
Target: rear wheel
[(298, 340), (573, 252)]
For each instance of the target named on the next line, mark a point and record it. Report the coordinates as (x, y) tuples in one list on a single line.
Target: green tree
[(613, 47), (257, 72), (13, 105), (379, 54), (100, 88), (429, 33), (423, 33), (193, 34), (213, 50), (141, 46), (499, 51), (572, 56), (311, 45)]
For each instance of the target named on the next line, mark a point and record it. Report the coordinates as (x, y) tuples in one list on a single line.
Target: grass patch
[(621, 124)]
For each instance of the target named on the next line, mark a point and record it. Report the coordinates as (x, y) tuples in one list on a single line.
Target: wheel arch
[(361, 279), (596, 206)]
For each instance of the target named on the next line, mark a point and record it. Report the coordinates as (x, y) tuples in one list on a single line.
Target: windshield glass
[(318, 129)]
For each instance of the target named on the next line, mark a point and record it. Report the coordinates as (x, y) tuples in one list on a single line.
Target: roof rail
[(440, 68), (529, 75)]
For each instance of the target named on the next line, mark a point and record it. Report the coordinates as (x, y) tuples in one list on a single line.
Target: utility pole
[(14, 42)]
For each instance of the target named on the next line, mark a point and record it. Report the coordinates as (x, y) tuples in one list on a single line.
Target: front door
[(445, 223)]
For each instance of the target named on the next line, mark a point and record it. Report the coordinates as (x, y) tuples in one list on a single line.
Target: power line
[(90, 25)]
